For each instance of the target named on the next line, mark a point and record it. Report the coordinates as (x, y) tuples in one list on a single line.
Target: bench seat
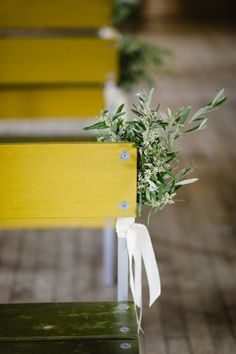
[(98, 327)]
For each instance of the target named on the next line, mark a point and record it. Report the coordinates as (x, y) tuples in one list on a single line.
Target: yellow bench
[(54, 65), (41, 183), (55, 14), (52, 62)]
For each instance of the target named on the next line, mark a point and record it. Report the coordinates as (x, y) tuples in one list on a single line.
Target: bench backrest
[(51, 63), (18, 14), (57, 183), (54, 76)]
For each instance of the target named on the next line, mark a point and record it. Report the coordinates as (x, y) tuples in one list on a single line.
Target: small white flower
[(152, 186), (150, 136), (166, 199)]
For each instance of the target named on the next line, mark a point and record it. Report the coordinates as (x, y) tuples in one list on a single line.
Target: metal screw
[(125, 345), (124, 205), (124, 329), (124, 155)]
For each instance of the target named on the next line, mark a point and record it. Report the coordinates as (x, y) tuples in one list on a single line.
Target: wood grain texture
[(66, 321), (45, 101), (57, 60), (52, 223), (66, 181), (55, 14), (96, 346)]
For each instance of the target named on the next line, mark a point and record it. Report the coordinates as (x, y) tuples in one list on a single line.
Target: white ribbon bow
[(139, 247)]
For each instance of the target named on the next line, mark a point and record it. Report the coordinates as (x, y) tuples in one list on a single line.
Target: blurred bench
[(52, 62), (46, 182)]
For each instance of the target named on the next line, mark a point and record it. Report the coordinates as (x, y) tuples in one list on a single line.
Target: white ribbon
[(139, 247)]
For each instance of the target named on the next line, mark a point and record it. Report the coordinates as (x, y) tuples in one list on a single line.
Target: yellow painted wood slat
[(54, 223), (51, 102), (43, 181), (57, 60), (55, 13)]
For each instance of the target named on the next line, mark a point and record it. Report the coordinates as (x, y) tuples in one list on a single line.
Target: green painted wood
[(95, 346), (54, 321)]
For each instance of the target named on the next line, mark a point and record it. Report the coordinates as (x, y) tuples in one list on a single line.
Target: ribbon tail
[(150, 264), (139, 247), (135, 265), (138, 277), (138, 288)]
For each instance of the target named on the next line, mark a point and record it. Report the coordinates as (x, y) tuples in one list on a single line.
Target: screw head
[(125, 345), (124, 205), (124, 155), (124, 329)]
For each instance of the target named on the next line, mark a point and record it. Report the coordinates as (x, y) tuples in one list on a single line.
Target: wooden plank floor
[(195, 241)]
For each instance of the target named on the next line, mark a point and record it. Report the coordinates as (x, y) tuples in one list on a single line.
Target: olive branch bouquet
[(154, 134), (126, 12), (138, 61)]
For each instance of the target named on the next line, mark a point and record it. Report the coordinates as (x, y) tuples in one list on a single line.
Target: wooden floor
[(195, 241)]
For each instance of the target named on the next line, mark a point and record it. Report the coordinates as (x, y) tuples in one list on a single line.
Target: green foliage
[(126, 12), (138, 61), (154, 133)]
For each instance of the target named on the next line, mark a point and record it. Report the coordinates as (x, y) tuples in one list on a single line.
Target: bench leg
[(122, 286), (108, 255)]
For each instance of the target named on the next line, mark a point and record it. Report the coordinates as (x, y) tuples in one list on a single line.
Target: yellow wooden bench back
[(45, 184), (56, 60), (50, 101), (54, 76), (55, 13), (47, 69)]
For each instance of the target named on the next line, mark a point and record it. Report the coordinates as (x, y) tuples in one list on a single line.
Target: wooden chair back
[(53, 64), (44, 184)]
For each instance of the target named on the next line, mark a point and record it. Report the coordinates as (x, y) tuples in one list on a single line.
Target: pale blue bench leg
[(108, 255), (122, 286)]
